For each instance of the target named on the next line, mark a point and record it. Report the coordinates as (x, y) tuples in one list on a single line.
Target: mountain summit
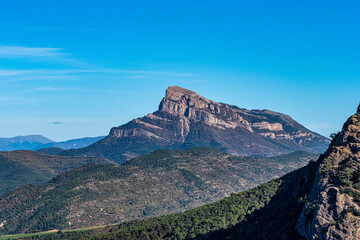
[(186, 119)]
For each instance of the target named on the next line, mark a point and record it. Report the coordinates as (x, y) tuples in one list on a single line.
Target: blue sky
[(72, 69)]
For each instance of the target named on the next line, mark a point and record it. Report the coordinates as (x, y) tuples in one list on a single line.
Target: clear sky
[(72, 69)]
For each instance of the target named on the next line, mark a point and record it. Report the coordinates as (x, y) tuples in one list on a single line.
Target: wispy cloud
[(15, 101), (19, 51), (41, 54), (56, 123), (15, 75), (145, 72), (7, 73), (54, 89)]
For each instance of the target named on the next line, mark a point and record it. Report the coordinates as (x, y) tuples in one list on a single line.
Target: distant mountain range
[(23, 142), (71, 144), (185, 119), (35, 142), (157, 183)]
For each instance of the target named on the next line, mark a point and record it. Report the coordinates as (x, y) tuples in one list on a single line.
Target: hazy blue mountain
[(23, 142), (71, 144)]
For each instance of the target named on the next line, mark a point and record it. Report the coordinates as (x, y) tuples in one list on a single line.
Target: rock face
[(186, 119), (333, 208)]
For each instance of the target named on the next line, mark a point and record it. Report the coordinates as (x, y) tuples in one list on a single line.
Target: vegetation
[(50, 151), (350, 183), (49, 164), (155, 184), (202, 220), (13, 175), (269, 211), (19, 168), (327, 165)]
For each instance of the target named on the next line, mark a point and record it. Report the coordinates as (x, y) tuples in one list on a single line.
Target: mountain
[(23, 142), (319, 201), (71, 144), (185, 119), (155, 184), (28, 167)]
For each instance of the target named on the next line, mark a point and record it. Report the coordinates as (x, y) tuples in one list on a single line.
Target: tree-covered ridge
[(22, 167), (202, 220), (48, 163), (13, 175), (269, 211), (152, 185)]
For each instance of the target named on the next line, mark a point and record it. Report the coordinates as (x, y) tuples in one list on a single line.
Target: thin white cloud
[(6, 99), (139, 72), (19, 51), (14, 101), (7, 73), (54, 89), (16, 75)]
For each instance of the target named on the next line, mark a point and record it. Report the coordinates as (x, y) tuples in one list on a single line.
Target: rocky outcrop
[(186, 119), (332, 211)]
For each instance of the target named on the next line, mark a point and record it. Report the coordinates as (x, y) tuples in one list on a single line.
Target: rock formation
[(332, 211), (186, 119)]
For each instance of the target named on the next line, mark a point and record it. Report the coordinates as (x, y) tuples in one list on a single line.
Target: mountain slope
[(186, 119), (23, 167), (155, 184), (13, 175), (23, 142), (50, 151), (268, 211), (71, 144), (259, 213)]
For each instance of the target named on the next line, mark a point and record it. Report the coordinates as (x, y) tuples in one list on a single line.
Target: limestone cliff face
[(333, 208), (186, 119)]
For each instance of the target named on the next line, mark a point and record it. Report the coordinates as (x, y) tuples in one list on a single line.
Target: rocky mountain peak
[(358, 109), (177, 101), (175, 93)]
